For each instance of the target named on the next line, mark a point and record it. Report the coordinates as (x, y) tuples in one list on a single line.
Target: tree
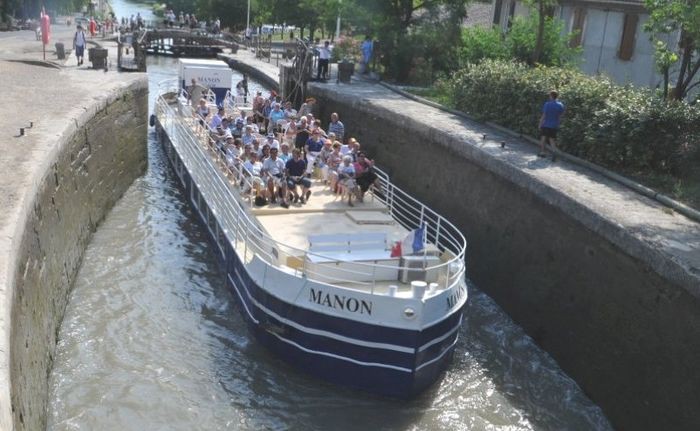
[(420, 33), (668, 18), (542, 9)]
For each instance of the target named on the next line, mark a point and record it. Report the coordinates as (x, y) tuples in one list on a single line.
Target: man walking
[(552, 111), (367, 48), (79, 44), (324, 57)]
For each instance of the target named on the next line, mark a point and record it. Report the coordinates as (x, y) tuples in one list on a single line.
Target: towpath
[(54, 97)]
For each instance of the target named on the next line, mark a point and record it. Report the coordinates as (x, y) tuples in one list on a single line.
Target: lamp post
[(247, 23)]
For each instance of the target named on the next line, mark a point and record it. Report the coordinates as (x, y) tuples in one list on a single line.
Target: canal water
[(153, 340)]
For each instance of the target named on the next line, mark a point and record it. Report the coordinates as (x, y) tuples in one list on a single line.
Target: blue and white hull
[(396, 346)]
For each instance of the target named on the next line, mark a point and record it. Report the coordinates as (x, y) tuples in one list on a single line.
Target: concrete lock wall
[(627, 333), (98, 156)]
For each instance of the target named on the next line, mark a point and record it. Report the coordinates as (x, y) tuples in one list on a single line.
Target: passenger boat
[(319, 284)]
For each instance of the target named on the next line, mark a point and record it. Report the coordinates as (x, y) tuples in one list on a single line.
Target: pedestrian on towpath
[(552, 110), (324, 58), (79, 44)]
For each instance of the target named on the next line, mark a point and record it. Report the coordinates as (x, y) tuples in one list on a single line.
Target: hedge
[(616, 126)]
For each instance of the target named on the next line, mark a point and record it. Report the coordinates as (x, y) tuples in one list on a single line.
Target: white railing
[(233, 102), (219, 186)]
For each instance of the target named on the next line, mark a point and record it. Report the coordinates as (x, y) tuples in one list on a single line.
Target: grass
[(684, 188), (432, 94)]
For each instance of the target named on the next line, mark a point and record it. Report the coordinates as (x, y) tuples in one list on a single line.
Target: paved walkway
[(54, 96)]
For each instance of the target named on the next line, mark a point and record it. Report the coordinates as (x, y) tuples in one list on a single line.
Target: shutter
[(629, 30), (577, 22)]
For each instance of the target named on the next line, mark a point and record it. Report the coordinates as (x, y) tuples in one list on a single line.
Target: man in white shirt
[(272, 142), (254, 168), (324, 57), (218, 118), (274, 168)]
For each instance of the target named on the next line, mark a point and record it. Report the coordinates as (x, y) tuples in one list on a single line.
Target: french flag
[(413, 243)]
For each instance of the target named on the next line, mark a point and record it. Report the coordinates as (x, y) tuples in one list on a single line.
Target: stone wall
[(98, 156), (620, 318)]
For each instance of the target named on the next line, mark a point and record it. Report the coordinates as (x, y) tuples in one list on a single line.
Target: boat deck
[(326, 213), (325, 239)]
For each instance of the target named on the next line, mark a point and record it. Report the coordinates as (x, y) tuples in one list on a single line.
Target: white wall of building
[(600, 42)]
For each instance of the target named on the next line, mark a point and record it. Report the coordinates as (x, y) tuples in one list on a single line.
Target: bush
[(479, 43), (619, 127), (346, 48), (522, 37)]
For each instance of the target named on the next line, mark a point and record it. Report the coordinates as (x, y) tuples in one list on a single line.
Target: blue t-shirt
[(275, 116), (552, 111), (314, 145), (296, 168)]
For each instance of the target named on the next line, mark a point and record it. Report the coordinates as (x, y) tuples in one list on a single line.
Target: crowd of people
[(279, 150)]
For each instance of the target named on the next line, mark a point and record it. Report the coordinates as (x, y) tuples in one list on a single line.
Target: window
[(577, 21), (629, 30)]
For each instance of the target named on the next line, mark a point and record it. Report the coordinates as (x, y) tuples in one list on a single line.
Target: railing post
[(437, 232)]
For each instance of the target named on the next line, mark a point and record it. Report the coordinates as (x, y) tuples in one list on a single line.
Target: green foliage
[(668, 18), (416, 39), (347, 49), (480, 43), (522, 38), (31, 8), (619, 127)]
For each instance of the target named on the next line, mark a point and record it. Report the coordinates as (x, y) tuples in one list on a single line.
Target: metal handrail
[(243, 226)]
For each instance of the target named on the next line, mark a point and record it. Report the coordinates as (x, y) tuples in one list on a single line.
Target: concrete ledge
[(605, 279), (245, 62), (87, 145)]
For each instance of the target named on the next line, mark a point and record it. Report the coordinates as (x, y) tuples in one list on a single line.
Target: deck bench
[(348, 247)]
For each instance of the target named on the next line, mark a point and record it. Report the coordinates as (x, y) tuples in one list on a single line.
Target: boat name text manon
[(454, 297), (341, 302)]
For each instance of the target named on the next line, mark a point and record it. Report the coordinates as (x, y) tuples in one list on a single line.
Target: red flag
[(396, 249), (45, 27)]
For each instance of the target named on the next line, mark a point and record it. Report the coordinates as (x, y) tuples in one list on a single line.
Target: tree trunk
[(685, 60), (537, 53)]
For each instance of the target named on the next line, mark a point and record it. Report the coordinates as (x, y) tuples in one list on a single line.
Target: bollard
[(60, 51), (418, 289)]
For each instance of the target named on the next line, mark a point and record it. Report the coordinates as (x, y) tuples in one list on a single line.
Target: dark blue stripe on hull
[(381, 381)]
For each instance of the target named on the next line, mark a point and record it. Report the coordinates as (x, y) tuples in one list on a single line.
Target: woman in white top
[(289, 134)]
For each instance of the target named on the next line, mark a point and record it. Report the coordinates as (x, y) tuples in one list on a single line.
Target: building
[(611, 34)]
